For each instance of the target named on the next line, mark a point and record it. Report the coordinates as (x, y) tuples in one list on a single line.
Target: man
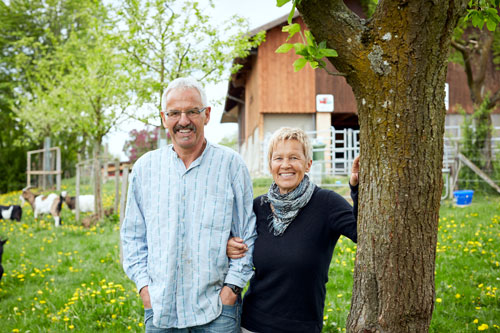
[(184, 201)]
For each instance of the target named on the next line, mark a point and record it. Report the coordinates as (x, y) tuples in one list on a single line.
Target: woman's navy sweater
[(287, 292)]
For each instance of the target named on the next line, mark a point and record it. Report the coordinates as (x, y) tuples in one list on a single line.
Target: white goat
[(86, 202), (43, 204)]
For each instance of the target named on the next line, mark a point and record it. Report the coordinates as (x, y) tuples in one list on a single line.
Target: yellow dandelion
[(475, 321), (439, 300), (457, 296), (482, 327)]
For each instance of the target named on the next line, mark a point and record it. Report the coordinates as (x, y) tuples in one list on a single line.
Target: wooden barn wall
[(252, 99), (459, 90), (343, 97), (281, 89)]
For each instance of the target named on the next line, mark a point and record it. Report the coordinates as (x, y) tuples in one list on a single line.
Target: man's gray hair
[(184, 83)]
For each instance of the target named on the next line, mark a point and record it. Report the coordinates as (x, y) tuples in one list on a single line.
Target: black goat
[(12, 212), (2, 242)]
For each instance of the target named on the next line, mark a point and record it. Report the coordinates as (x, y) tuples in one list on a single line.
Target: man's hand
[(227, 296), (236, 248), (355, 172), (146, 301)]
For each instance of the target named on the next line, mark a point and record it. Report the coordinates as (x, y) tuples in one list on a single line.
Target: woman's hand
[(236, 248), (355, 172)]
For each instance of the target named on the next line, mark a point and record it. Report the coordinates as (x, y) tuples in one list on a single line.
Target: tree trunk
[(396, 65), (97, 181)]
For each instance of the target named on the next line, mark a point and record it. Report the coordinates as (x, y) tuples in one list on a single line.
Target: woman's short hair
[(184, 83), (289, 133)]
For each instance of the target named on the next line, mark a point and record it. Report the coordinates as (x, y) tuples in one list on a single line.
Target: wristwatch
[(236, 290)]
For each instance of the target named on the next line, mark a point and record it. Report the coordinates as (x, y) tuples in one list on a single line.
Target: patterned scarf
[(287, 206)]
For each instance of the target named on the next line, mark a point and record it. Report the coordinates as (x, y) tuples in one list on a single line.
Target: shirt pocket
[(216, 220)]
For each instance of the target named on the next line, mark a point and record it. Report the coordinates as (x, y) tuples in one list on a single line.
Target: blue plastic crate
[(463, 197)]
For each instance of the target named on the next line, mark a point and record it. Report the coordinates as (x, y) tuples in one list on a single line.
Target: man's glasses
[(191, 114)]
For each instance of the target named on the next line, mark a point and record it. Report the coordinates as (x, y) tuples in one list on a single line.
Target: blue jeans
[(228, 322)]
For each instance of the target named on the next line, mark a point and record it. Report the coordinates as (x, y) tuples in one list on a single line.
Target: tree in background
[(81, 87), (396, 64), (168, 39), (29, 30), (141, 142), (230, 141), (477, 49)]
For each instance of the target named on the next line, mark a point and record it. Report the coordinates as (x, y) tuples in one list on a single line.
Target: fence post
[(28, 167), (58, 169), (77, 195), (117, 185)]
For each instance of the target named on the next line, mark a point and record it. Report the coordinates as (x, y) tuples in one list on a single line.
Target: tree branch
[(349, 26), (484, 56), (182, 58), (207, 74), (333, 73), (494, 100), (466, 56)]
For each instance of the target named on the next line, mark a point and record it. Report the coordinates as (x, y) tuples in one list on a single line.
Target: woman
[(298, 225)]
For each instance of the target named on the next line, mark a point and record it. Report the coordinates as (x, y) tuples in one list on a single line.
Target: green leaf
[(329, 53), (292, 12), (309, 38), (322, 45), (299, 64), (312, 51), (292, 29), (313, 64), (280, 3), (491, 25), (300, 49), (284, 48), (477, 20)]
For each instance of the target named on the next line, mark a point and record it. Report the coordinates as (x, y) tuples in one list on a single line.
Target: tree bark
[(98, 181), (396, 65)]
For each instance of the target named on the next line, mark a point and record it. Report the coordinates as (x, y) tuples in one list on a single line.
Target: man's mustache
[(177, 128)]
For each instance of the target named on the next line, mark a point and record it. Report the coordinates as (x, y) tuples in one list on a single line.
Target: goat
[(2, 242), (86, 202), (12, 212), (43, 204)]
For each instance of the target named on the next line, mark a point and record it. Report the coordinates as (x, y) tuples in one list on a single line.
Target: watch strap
[(237, 290)]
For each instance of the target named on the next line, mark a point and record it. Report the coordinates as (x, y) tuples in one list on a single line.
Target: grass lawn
[(70, 279)]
